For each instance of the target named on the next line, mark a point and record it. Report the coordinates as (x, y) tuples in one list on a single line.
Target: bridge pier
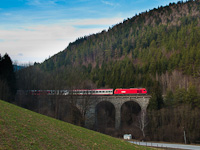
[(90, 120), (117, 117)]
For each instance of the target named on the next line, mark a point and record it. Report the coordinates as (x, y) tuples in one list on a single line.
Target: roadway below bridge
[(167, 145)]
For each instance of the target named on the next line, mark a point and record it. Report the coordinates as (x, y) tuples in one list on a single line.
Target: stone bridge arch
[(117, 101), (129, 114), (104, 115)]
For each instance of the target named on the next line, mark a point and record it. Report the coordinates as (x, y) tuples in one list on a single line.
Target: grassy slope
[(23, 129)]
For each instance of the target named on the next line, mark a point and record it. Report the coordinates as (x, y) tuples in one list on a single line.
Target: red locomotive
[(130, 91)]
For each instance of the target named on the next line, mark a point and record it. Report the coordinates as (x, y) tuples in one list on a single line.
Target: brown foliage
[(168, 124)]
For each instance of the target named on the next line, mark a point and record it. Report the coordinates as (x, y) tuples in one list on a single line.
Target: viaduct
[(51, 103), (116, 101)]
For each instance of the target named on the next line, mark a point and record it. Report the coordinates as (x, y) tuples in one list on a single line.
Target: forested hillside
[(161, 44)]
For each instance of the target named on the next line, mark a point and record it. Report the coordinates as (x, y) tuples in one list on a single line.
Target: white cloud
[(108, 3), (36, 43)]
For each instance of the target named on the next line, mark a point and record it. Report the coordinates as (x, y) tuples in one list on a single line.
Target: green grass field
[(24, 129)]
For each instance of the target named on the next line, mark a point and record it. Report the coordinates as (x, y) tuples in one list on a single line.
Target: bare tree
[(142, 121), (85, 104), (83, 101)]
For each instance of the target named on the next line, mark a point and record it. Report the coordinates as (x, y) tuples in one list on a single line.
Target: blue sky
[(34, 30)]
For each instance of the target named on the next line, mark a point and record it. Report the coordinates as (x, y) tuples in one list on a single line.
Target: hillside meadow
[(24, 129)]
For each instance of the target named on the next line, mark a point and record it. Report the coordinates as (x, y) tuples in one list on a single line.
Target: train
[(117, 91)]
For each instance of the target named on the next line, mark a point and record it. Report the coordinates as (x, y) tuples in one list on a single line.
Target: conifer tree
[(7, 78), (156, 100)]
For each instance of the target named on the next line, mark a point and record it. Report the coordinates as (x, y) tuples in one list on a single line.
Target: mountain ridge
[(149, 20)]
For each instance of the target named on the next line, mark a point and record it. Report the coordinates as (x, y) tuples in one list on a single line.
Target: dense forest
[(159, 45), (158, 49)]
